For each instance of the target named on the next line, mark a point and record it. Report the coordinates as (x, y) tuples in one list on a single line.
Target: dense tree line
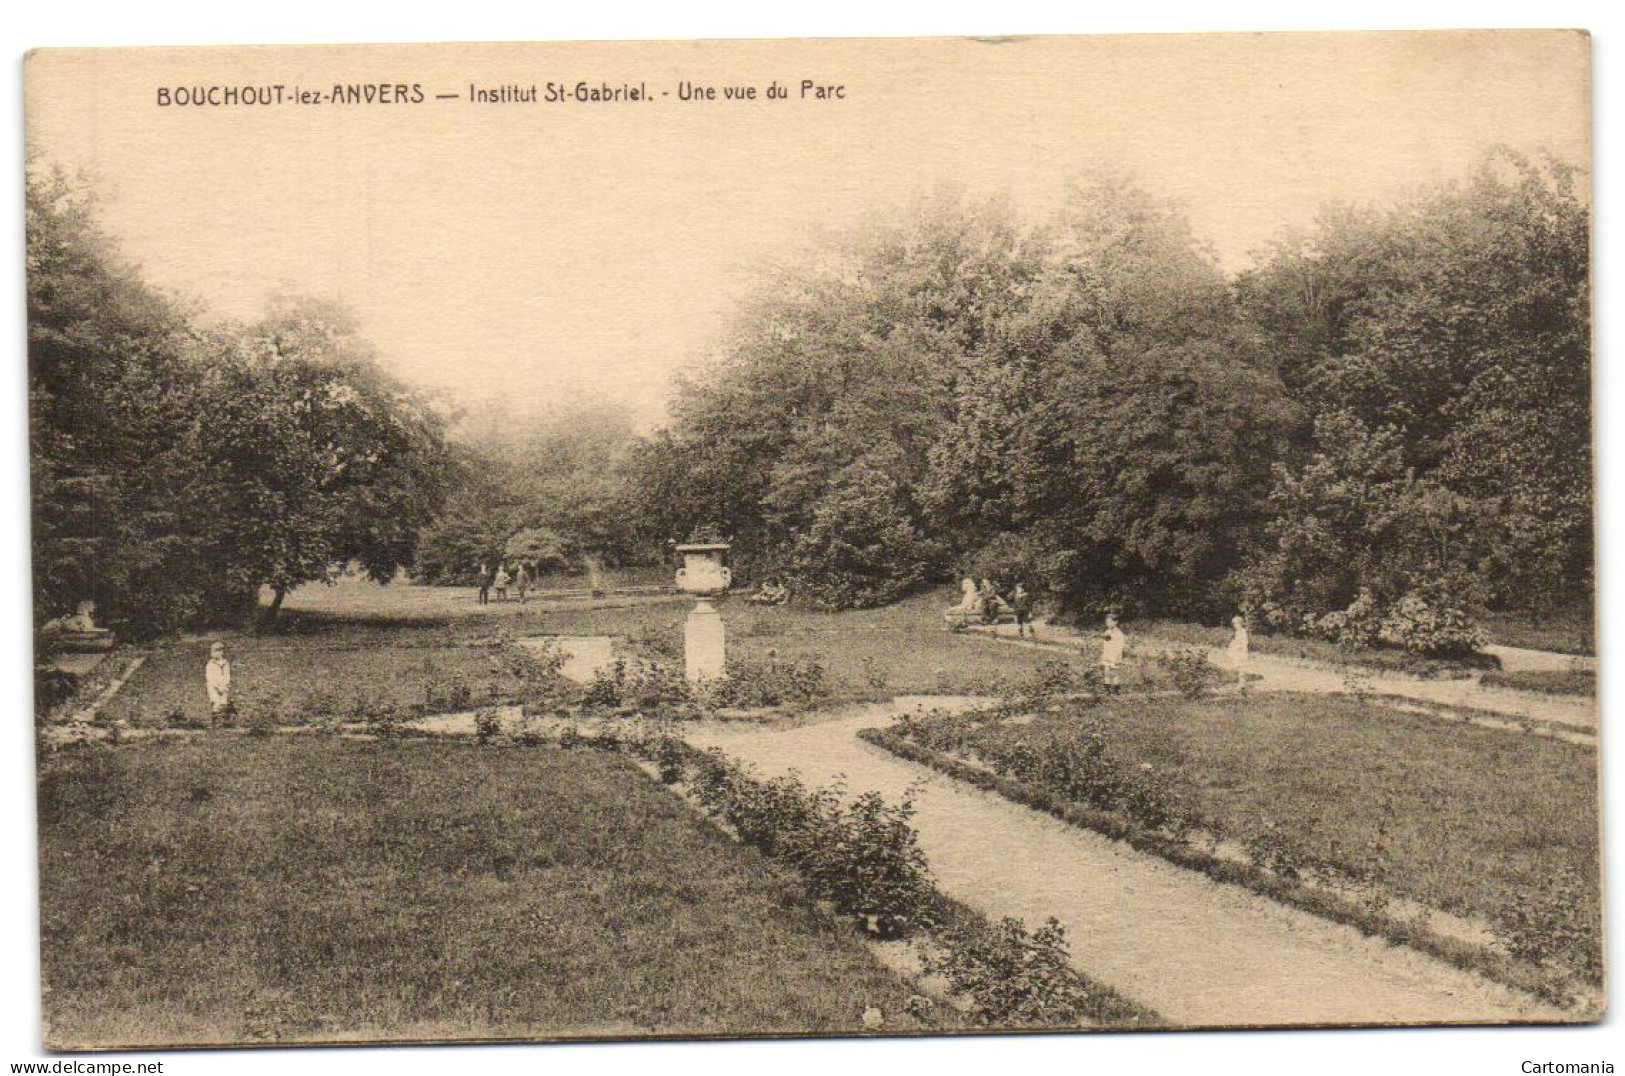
[(1393, 408), (179, 466), (548, 493)]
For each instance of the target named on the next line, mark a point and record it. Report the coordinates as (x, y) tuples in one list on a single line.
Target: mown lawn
[(1389, 659), (298, 678), (1567, 629), (1470, 820), (1581, 682), (302, 888), (870, 653)]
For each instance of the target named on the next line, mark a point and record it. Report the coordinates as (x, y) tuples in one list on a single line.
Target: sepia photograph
[(743, 539)]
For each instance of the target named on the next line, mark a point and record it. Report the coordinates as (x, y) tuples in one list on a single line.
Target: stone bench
[(959, 619)]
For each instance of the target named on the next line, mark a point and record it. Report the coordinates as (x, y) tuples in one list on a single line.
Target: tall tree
[(321, 457)]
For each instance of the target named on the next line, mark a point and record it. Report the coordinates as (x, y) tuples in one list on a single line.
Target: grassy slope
[(289, 889), (1474, 819)]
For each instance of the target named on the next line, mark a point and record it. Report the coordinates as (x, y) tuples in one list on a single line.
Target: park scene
[(1020, 620)]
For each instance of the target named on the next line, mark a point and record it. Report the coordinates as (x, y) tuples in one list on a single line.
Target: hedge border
[(1110, 1008)]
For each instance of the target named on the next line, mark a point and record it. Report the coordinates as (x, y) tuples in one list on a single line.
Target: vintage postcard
[(828, 537)]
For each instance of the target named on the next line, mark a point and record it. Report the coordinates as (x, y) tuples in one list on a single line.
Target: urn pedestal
[(705, 640)]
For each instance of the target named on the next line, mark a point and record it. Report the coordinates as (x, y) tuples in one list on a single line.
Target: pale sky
[(541, 253)]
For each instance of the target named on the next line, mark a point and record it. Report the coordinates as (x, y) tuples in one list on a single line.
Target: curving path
[(1200, 953)]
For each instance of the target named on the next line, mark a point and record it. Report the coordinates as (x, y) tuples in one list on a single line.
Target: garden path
[(1280, 673), (1200, 953)]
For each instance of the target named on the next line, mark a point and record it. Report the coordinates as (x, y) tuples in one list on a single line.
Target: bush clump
[(643, 685), (1010, 976), (1192, 673), (862, 855), (773, 682)]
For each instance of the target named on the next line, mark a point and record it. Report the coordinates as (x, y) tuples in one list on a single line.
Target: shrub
[(1056, 678), (664, 642), (1193, 675), (539, 663), (1358, 627), (261, 721), (1066, 757), (1557, 925), (385, 722), (52, 687), (868, 861), (670, 756), (445, 690), (1012, 977), (487, 725), (772, 682), (646, 685), (863, 856), (1429, 623)]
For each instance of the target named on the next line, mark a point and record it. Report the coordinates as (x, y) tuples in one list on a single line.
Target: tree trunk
[(276, 606)]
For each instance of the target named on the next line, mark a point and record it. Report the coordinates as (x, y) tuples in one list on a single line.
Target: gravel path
[(1200, 953)]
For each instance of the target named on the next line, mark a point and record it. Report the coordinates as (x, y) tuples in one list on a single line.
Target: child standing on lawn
[(1238, 648), (217, 679), (1113, 643), (501, 583)]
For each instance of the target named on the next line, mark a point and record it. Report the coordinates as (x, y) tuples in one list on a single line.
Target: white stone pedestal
[(705, 644)]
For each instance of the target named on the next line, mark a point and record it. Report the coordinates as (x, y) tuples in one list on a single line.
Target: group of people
[(983, 600), (497, 578), (985, 597)]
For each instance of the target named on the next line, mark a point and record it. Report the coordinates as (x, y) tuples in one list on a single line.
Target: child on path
[(521, 582), (1113, 643), (1021, 604), (217, 679)]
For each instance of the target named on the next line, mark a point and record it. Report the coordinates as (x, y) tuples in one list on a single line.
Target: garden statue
[(705, 646), (217, 680), (79, 633)]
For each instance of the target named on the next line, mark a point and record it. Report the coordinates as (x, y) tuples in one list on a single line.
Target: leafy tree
[(321, 457), (1457, 322), (562, 480), (116, 490)]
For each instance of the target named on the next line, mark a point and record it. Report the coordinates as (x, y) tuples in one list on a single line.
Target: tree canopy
[(180, 466), (1393, 403)]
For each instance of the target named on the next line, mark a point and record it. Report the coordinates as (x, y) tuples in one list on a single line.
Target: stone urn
[(705, 642), (703, 574)]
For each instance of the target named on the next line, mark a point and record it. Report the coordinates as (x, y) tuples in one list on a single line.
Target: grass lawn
[(1469, 820), (1567, 629), (1581, 682), (871, 653), (303, 888), (303, 676), (1381, 659)]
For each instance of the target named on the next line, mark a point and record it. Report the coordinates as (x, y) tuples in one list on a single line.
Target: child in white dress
[(1113, 643), (217, 679), (1238, 648)]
